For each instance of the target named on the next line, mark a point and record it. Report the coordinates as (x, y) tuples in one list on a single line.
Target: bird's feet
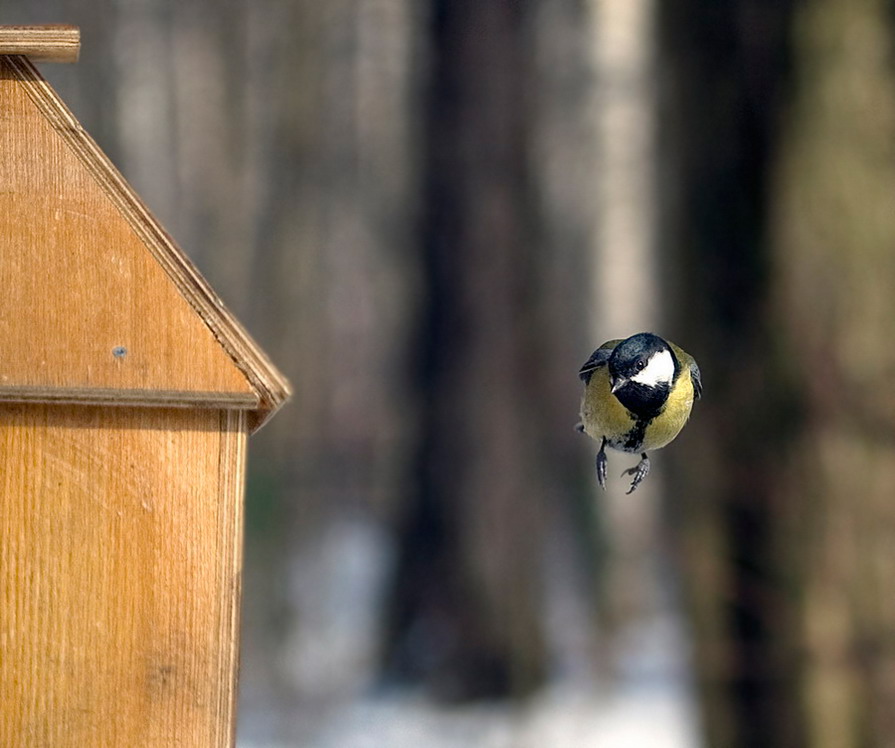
[(601, 465), (639, 471)]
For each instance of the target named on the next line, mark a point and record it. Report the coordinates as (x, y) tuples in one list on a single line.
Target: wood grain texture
[(88, 271), (120, 559), (54, 43)]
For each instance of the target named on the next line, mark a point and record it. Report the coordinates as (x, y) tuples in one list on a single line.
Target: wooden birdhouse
[(127, 392)]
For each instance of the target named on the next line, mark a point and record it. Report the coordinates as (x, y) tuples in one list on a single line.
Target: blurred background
[(430, 213)]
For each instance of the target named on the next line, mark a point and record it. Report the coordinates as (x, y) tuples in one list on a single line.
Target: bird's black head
[(642, 370)]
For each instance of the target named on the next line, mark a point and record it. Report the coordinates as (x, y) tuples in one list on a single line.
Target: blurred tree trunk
[(331, 106), (625, 293), (726, 67), (783, 231), (834, 236), (465, 608), (568, 169)]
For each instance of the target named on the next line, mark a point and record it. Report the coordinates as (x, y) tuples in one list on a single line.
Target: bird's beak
[(616, 384)]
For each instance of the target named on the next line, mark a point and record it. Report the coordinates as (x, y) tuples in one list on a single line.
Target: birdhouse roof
[(98, 305)]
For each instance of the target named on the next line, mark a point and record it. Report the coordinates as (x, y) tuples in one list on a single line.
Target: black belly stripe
[(634, 438)]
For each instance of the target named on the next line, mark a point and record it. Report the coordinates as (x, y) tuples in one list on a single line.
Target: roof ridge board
[(272, 387)]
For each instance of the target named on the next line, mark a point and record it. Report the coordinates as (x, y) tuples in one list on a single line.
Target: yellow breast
[(601, 412), (671, 420)]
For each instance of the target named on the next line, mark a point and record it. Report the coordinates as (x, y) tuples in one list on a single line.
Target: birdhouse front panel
[(120, 532), (86, 308)]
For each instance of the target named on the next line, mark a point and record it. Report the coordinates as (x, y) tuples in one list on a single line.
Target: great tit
[(638, 393)]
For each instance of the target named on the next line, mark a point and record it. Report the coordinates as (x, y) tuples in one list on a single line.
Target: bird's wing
[(689, 362), (696, 376), (598, 358)]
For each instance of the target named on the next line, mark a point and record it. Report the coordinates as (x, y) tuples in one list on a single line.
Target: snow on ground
[(649, 704), (642, 718)]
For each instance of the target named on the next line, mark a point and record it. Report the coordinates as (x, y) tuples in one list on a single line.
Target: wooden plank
[(120, 560), (141, 398), (231, 492), (272, 388), (54, 43)]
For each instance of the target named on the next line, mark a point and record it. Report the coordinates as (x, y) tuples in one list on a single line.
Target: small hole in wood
[(119, 351)]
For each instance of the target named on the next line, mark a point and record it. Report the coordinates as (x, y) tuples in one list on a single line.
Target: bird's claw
[(601, 466), (639, 471)]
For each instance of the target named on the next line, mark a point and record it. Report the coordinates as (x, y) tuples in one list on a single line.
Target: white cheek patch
[(659, 369)]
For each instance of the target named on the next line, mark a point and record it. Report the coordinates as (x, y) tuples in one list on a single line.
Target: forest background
[(430, 213)]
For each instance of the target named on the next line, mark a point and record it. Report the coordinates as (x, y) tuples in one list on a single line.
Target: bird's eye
[(641, 365)]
